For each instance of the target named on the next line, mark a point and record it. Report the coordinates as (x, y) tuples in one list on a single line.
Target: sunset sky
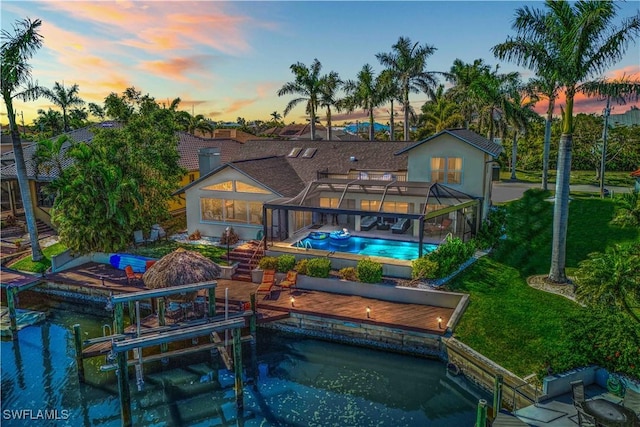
[(228, 59)]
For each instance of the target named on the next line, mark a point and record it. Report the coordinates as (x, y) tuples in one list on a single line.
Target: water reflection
[(289, 381)]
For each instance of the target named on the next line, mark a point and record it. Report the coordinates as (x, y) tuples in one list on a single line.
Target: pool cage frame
[(436, 203)]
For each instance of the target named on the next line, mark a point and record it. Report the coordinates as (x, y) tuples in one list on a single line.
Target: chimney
[(208, 159)]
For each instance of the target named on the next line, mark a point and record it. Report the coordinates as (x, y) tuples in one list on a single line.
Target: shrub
[(268, 263), (319, 267), (348, 273), (230, 238), (424, 268), (286, 263), (369, 271), (451, 255), (302, 266), (493, 228)]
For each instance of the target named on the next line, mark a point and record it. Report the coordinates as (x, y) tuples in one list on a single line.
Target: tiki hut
[(181, 267)]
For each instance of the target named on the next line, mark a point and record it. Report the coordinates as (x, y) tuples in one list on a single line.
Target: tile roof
[(465, 135), (274, 172)]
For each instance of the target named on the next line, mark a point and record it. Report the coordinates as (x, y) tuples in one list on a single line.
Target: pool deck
[(410, 317)]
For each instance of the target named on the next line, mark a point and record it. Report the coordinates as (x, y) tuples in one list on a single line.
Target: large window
[(329, 202), (446, 170), (222, 210), (302, 220), (239, 186), (370, 205), (396, 207), (45, 198), (221, 186), (242, 187)]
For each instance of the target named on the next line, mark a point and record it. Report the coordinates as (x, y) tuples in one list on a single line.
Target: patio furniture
[(290, 280), (131, 275), (368, 222), (268, 280), (438, 228), (632, 400), (148, 263), (584, 419), (138, 238), (383, 225), (607, 413), (577, 393), (401, 226), (154, 235), (161, 233)]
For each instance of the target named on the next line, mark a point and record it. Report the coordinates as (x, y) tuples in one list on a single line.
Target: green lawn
[(613, 178), (27, 264), (514, 324)]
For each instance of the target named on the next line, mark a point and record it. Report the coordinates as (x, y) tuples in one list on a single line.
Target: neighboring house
[(628, 118), (346, 181), (636, 175)]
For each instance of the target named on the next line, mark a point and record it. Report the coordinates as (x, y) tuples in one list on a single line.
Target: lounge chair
[(368, 222), (132, 276), (577, 393), (632, 400), (437, 228), (290, 280), (268, 280), (584, 419), (401, 226)]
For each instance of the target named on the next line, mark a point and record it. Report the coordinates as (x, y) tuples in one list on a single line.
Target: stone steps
[(244, 256)]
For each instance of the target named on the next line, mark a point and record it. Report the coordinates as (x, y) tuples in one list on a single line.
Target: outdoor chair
[(632, 400), (577, 393), (161, 233), (368, 222), (268, 280), (290, 280), (132, 276), (148, 263), (154, 235), (438, 228), (138, 238), (584, 419), (401, 226)]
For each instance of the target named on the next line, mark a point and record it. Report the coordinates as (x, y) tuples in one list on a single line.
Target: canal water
[(300, 382)]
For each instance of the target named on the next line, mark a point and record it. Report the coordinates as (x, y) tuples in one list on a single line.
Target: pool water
[(365, 246), (300, 382)]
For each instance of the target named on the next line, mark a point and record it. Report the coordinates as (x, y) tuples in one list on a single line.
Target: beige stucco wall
[(213, 228)]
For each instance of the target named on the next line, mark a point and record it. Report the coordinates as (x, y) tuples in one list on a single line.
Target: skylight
[(309, 152), (294, 152)]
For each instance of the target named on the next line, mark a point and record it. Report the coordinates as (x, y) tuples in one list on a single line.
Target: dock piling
[(237, 364), (77, 339)]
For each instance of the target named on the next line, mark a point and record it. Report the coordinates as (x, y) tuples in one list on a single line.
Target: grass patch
[(159, 249), (518, 326), (613, 178), (507, 320), (27, 264)]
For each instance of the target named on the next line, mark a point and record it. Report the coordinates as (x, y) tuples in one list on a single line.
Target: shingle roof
[(465, 135), (331, 156), (189, 145)]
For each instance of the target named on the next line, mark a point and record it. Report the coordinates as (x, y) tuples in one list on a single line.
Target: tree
[(407, 62), (190, 123), (49, 121), (17, 49), (276, 117), (119, 182), (366, 93), (583, 42), (330, 83), (462, 76), (518, 115), (64, 98), (308, 84), (628, 212), (50, 154), (96, 110), (610, 279), (439, 114)]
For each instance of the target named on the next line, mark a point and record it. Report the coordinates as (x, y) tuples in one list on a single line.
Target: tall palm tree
[(518, 115), (407, 62), (331, 83), (190, 123), (64, 98), (17, 49), (366, 93), (439, 114), (584, 41), (462, 76), (49, 121), (307, 84), (391, 91)]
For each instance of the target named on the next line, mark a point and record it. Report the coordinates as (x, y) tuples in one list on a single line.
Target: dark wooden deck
[(414, 317)]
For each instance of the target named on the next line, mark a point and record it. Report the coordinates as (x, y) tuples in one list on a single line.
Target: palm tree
[(407, 62), (518, 115), (462, 76), (64, 99), (308, 84), (190, 123), (584, 42), (49, 121), (276, 117), (330, 85), (50, 154), (16, 50), (391, 92), (628, 212), (365, 93), (439, 114), (611, 279)]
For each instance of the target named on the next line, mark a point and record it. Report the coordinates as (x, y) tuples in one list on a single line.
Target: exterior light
[(439, 322), (368, 312), (293, 301)]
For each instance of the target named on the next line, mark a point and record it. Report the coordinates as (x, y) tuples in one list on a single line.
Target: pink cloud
[(239, 105), (176, 68)]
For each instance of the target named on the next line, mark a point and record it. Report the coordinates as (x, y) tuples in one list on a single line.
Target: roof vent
[(353, 159)]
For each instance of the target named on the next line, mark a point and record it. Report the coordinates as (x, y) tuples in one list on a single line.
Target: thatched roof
[(180, 267)]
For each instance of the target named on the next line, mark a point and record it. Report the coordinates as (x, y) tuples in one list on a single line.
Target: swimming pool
[(364, 246)]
